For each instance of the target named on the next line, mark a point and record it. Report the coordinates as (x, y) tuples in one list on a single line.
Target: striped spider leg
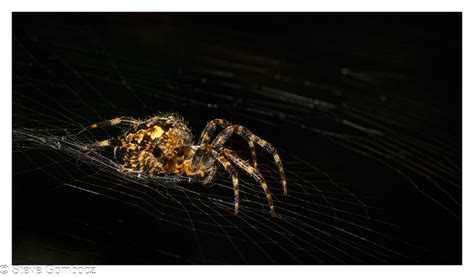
[(225, 156), (247, 135)]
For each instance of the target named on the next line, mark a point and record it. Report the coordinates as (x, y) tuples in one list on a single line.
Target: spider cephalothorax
[(163, 145)]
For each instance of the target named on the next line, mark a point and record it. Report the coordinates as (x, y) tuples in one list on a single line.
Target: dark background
[(298, 79)]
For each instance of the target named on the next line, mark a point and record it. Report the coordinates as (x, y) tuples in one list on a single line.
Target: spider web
[(339, 149)]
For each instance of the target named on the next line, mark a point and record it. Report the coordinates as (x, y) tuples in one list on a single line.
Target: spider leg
[(210, 175), (116, 143), (101, 144), (254, 154), (235, 179), (252, 172), (125, 121), (227, 166), (250, 137), (156, 119), (211, 127)]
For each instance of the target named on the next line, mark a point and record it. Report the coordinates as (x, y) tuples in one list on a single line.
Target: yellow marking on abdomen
[(157, 132)]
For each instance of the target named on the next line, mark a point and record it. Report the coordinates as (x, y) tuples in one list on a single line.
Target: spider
[(163, 144)]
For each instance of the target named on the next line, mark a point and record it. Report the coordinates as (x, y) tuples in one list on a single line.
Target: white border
[(244, 5), (5, 137), (241, 5)]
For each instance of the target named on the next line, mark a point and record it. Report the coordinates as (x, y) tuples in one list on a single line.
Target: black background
[(411, 58)]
